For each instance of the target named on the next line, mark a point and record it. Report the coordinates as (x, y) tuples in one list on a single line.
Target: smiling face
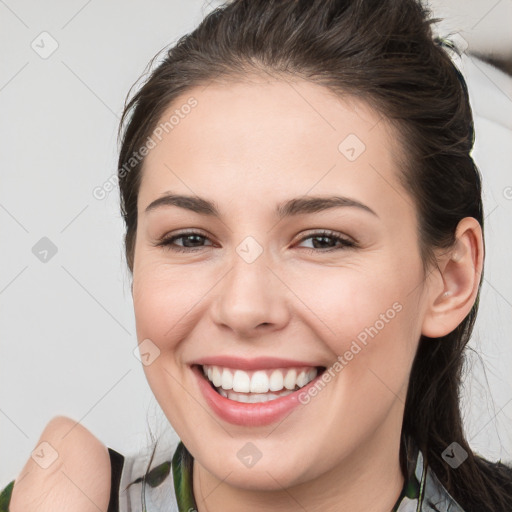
[(260, 277)]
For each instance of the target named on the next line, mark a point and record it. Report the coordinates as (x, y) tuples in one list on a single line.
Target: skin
[(76, 478), (249, 146)]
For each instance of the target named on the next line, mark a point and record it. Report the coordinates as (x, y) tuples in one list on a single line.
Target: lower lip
[(245, 414)]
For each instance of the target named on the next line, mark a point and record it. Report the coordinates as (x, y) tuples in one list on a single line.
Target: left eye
[(323, 238), (328, 239)]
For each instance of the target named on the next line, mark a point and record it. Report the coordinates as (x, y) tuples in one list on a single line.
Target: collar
[(422, 491)]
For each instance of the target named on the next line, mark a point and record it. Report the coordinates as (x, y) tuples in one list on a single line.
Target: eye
[(191, 239), (327, 241)]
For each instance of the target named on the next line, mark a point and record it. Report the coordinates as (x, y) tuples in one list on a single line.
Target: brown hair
[(384, 52)]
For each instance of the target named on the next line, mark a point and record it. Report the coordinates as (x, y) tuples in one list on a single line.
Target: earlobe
[(453, 294)]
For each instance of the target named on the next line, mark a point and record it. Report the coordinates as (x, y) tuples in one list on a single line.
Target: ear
[(452, 293)]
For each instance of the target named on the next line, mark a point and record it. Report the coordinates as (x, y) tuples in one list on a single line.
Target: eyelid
[(166, 242), (184, 232), (347, 243), (327, 232)]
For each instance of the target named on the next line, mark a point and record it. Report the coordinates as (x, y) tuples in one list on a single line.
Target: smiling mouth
[(258, 385)]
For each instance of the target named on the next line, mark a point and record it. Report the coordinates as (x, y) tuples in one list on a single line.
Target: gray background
[(67, 325)]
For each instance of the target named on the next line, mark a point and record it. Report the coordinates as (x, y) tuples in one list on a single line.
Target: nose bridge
[(251, 295)]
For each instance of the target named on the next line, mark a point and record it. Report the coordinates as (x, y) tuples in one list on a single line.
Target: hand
[(68, 470)]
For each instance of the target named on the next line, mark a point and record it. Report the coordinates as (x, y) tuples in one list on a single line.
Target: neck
[(370, 478)]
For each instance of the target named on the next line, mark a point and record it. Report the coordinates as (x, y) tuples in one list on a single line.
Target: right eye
[(188, 237)]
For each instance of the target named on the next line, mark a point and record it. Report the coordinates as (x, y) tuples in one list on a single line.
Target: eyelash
[(166, 243)]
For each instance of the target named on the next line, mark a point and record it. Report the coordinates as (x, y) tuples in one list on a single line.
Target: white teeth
[(240, 397), (227, 379), (258, 382), (252, 398), (289, 380), (241, 382), (276, 381), (302, 378), (216, 376)]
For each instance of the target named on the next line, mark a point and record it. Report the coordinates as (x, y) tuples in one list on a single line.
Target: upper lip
[(257, 363)]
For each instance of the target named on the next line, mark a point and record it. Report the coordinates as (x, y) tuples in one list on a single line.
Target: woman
[(304, 228)]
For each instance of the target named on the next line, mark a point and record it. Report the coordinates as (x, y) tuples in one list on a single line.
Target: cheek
[(367, 318), (346, 301), (166, 305), (166, 301)]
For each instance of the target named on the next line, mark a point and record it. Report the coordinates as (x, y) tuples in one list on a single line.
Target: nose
[(251, 300)]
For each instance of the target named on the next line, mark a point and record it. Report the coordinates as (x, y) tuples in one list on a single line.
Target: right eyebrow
[(291, 207)]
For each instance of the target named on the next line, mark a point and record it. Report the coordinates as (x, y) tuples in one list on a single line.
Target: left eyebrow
[(292, 207), (313, 204)]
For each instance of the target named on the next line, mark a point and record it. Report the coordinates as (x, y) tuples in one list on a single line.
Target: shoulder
[(68, 468), (148, 477)]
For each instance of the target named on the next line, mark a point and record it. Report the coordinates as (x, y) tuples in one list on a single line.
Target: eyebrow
[(295, 206)]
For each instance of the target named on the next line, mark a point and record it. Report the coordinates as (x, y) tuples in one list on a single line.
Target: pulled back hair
[(383, 52)]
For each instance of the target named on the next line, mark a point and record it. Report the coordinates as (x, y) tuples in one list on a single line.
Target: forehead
[(261, 139)]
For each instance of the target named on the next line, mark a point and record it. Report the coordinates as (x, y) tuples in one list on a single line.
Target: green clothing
[(422, 491)]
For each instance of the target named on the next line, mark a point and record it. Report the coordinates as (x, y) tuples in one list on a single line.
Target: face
[(267, 286)]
